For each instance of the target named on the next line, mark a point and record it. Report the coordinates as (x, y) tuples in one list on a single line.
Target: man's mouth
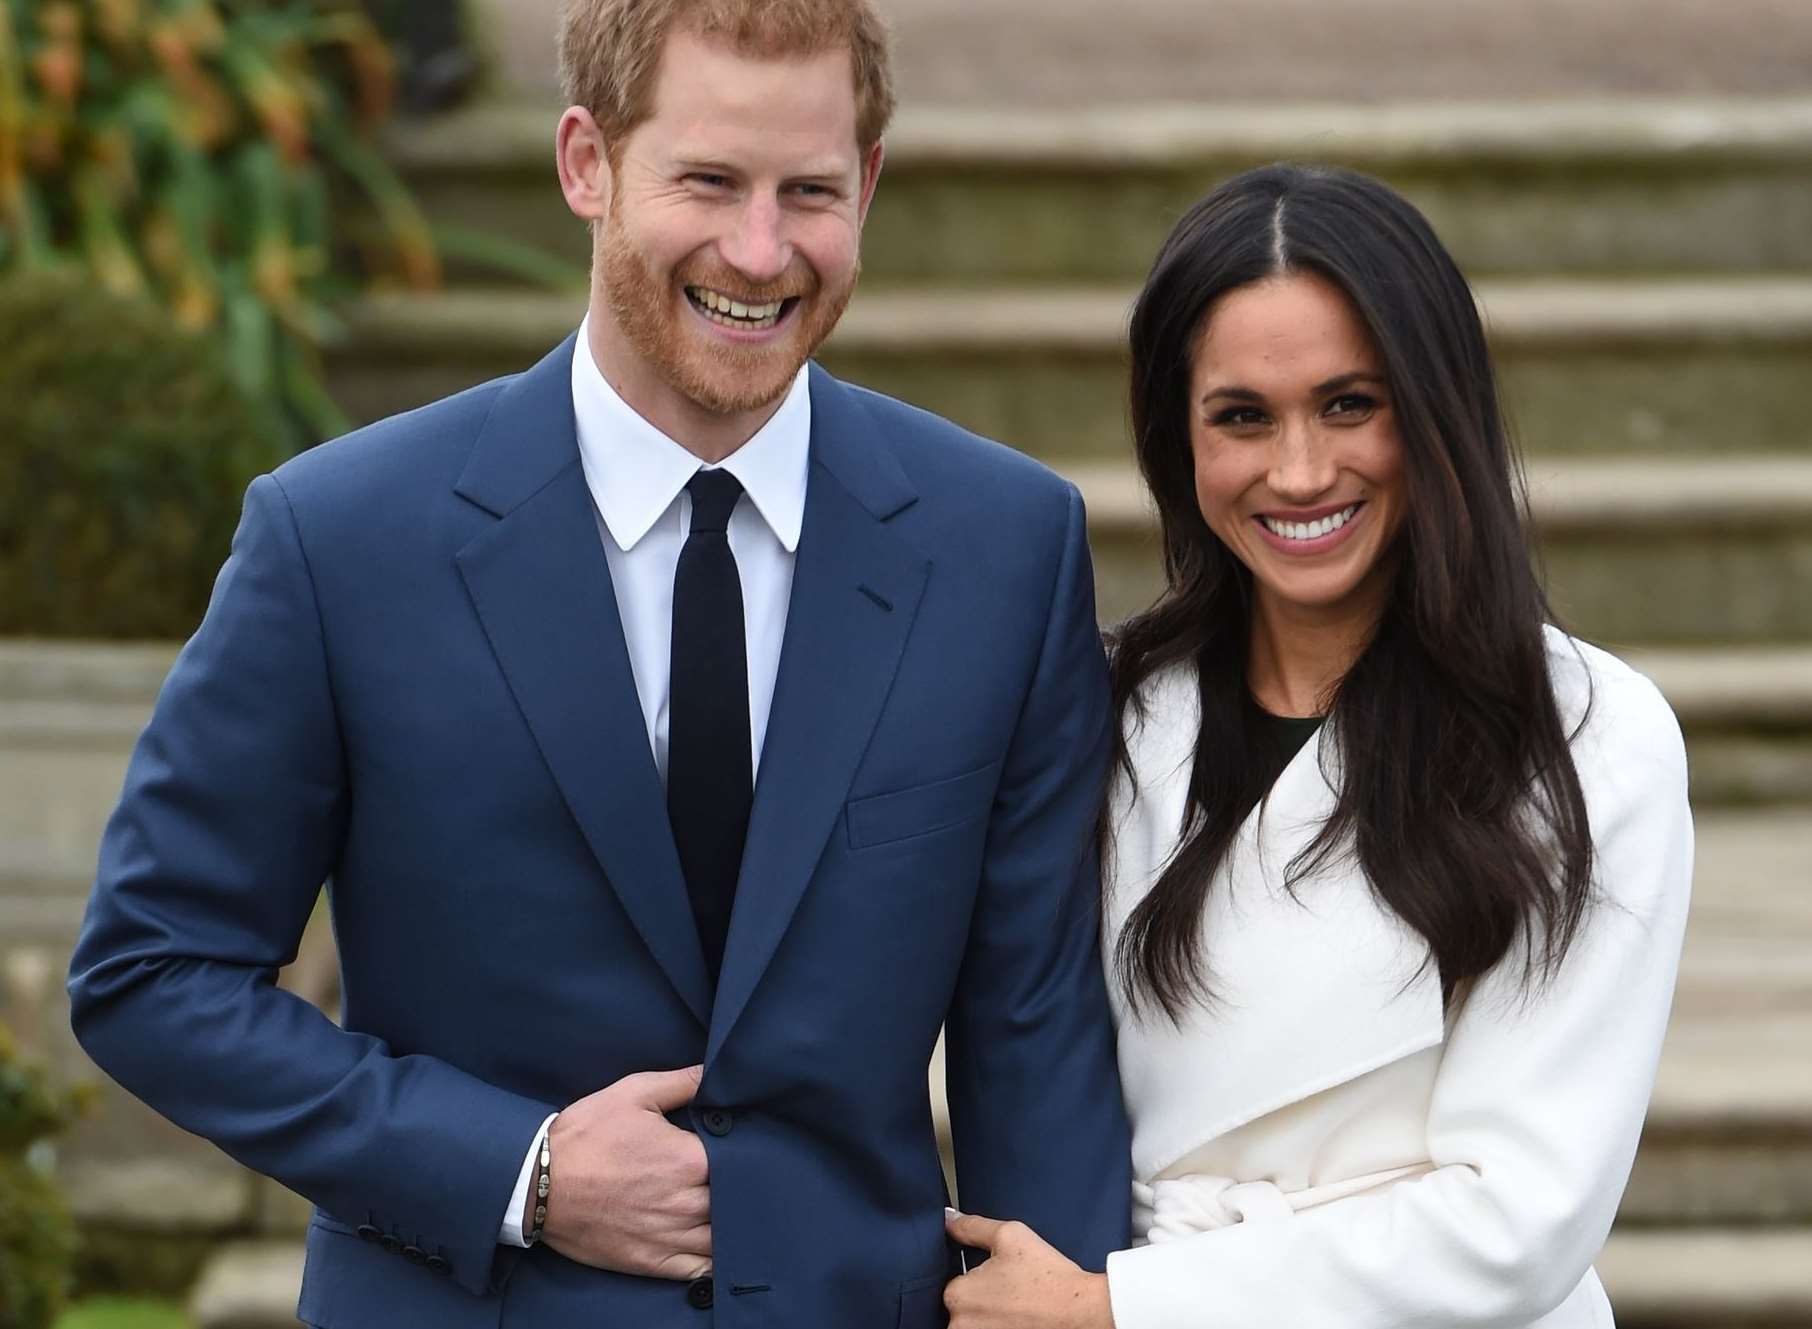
[(729, 312)]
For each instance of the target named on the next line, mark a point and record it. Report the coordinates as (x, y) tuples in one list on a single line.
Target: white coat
[(1323, 1147)]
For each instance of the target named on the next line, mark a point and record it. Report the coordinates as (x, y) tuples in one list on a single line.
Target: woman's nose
[(1301, 469)]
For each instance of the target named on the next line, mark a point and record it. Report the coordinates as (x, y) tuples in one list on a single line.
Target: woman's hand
[(1024, 1285)]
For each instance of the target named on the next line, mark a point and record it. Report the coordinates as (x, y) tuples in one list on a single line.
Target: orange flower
[(58, 70)]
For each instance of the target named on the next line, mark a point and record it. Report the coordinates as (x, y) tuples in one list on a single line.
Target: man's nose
[(755, 246)]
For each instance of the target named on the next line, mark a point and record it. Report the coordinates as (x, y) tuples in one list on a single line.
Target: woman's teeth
[(721, 309), (1310, 530)]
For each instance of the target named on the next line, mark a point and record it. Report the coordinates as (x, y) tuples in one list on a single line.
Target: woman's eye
[(1352, 405), (1240, 417)]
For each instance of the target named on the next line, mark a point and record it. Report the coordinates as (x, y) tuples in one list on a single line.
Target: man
[(504, 671)]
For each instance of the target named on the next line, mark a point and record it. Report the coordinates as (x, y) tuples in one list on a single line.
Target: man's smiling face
[(731, 244)]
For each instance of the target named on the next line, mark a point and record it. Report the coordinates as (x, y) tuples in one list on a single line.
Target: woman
[(1397, 873)]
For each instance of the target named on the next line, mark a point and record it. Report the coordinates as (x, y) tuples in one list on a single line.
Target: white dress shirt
[(637, 477)]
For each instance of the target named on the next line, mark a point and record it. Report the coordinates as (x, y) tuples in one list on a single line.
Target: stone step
[(249, 1285), (1638, 550), (1653, 367), (1747, 714), (1729, 1133), (974, 195), (1691, 1278), (948, 52), (1709, 1278)]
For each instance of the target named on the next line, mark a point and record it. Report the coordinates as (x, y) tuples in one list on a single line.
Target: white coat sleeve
[(1534, 1118)]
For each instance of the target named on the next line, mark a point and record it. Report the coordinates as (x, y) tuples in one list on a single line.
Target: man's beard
[(724, 378)]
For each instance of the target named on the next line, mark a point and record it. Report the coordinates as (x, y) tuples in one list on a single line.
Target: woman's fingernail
[(952, 1213)]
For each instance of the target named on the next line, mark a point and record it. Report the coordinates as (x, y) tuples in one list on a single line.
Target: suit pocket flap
[(882, 818)]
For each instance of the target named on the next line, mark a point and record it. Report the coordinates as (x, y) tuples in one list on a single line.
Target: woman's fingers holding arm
[(986, 1234)]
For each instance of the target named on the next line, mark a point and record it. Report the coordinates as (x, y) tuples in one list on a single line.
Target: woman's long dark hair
[(1457, 791)]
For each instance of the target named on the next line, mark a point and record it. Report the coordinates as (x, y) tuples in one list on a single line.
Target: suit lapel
[(541, 585), (856, 591)]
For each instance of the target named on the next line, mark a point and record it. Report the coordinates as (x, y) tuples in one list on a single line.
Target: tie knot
[(714, 494)]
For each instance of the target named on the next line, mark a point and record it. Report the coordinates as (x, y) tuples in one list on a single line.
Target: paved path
[(1060, 52)]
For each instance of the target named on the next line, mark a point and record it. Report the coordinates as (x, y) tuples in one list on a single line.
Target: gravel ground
[(1058, 52)]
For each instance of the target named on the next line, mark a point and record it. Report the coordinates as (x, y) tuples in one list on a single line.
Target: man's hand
[(630, 1189), (1024, 1285)]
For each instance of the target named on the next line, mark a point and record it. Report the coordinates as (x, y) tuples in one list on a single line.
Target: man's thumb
[(666, 1090)]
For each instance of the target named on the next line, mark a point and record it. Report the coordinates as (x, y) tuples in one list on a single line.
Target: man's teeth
[(720, 308), (1310, 530)]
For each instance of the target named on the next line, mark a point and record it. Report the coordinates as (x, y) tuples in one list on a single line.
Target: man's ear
[(871, 176), (584, 162)]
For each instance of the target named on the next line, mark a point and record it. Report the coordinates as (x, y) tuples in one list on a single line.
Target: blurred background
[(231, 228)]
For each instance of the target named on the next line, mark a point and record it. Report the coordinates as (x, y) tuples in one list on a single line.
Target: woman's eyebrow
[(1348, 380)]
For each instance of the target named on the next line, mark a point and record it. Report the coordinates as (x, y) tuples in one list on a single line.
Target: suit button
[(438, 1263), (717, 1121), (368, 1233), (700, 1295), (415, 1255), (390, 1242)]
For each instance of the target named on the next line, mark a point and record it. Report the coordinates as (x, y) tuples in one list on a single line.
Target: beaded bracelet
[(544, 1179)]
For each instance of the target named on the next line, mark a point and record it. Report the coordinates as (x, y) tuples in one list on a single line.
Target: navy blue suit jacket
[(412, 684)]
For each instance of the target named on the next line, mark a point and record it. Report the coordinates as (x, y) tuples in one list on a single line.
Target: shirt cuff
[(510, 1234)]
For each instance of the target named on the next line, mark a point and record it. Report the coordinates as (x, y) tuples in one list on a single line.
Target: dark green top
[(1276, 741), (1284, 735)]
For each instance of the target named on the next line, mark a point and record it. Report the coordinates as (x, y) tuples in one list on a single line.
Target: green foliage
[(124, 1313), (138, 1264), (37, 1239), (217, 156), (125, 449)]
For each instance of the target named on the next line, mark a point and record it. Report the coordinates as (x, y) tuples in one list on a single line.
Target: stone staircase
[(1646, 270)]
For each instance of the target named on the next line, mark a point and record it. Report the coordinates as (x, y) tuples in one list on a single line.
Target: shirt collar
[(635, 471)]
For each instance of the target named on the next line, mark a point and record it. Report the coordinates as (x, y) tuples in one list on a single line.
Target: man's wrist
[(534, 1211), (518, 1215)]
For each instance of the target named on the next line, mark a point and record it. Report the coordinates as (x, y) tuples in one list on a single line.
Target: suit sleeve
[(1036, 1113), (1534, 1118), (234, 805)]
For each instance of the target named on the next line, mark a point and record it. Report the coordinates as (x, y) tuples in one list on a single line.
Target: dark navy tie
[(710, 770)]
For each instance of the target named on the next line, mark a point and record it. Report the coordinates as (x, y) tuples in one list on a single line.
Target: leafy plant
[(125, 448), (218, 156), (37, 1238), (124, 1313)]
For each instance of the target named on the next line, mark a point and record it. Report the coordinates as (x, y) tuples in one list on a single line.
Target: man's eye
[(708, 180)]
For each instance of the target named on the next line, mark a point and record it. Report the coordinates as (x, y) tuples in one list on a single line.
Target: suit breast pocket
[(905, 814)]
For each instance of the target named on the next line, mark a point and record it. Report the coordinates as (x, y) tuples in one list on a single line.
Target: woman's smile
[(1304, 534)]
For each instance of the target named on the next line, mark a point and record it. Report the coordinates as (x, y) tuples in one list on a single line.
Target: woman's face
[(1298, 462)]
